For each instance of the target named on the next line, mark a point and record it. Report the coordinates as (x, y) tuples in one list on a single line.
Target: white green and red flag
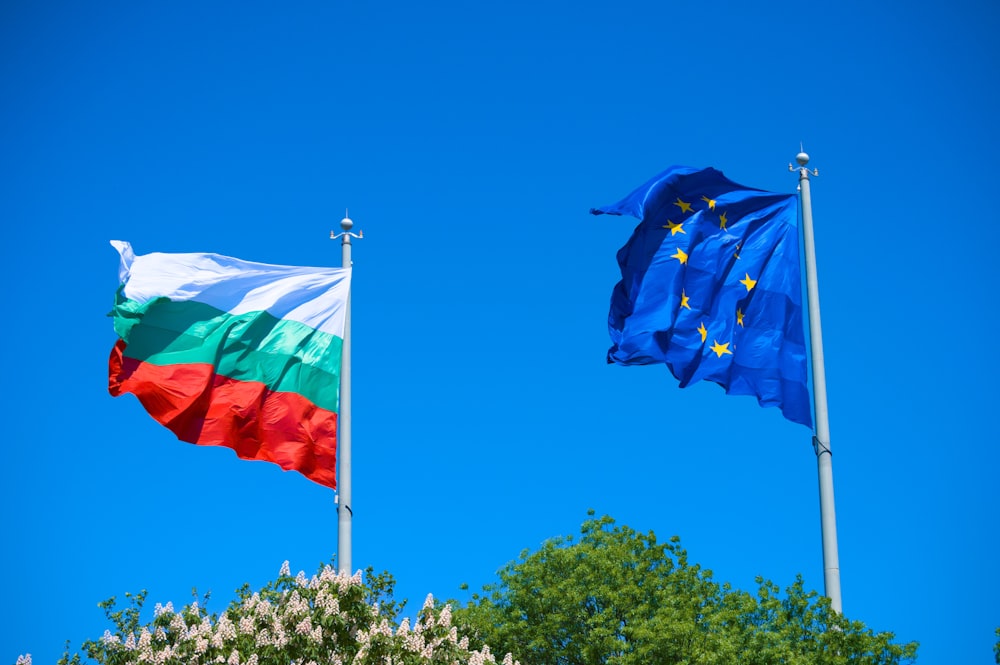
[(232, 353)]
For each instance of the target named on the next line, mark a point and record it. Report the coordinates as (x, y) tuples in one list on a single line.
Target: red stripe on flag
[(206, 409)]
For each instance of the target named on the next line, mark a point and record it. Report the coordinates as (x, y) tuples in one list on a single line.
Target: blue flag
[(711, 287)]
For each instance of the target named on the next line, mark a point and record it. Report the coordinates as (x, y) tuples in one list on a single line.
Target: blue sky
[(469, 141)]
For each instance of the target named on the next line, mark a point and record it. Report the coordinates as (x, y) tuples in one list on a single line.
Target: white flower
[(285, 570), (297, 605), (24, 660), (163, 609), (304, 627), (177, 624)]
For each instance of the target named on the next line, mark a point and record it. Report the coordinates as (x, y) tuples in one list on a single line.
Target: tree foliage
[(619, 597), (331, 618)]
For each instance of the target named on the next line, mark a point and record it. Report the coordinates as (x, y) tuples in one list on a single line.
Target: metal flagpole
[(821, 439), (344, 510)]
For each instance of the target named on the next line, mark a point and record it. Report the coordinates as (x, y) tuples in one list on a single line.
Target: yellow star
[(721, 349), (703, 331), (737, 252), (739, 317), (749, 283), (684, 300), (681, 255), (674, 228), (723, 221), (710, 202), (685, 207)]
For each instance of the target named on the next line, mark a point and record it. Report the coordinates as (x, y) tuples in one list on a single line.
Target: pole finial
[(346, 224), (802, 158)]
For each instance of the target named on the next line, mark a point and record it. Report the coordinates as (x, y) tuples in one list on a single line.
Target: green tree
[(619, 597)]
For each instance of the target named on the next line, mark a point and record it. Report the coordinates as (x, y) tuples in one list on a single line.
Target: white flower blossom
[(304, 627), (163, 609), (327, 602), (285, 569), (297, 605), (177, 624), (414, 642)]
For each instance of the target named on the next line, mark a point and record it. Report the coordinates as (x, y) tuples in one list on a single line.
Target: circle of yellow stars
[(720, 349)]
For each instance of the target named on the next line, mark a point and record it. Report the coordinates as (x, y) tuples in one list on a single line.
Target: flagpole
[(821, 439), (344, 506)]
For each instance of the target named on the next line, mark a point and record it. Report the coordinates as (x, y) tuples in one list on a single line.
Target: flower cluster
[(331, 618)]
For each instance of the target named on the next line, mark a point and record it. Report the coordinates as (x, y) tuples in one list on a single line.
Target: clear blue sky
[(469, 140)]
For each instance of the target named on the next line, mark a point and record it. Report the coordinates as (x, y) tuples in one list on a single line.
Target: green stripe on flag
[(286, 356)]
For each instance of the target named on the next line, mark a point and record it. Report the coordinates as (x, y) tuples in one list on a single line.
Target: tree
[(619, 597), (331, 618)]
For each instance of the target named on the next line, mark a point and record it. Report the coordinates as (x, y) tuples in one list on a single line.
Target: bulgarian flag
[(225, 352)]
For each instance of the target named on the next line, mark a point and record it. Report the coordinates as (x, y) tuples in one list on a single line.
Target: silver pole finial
[(346, 224), (802, 158)]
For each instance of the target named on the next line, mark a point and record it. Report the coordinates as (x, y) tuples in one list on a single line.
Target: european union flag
[(711, 287)]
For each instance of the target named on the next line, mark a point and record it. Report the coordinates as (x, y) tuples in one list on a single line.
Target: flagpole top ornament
[(346, 224), (803, 158)]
